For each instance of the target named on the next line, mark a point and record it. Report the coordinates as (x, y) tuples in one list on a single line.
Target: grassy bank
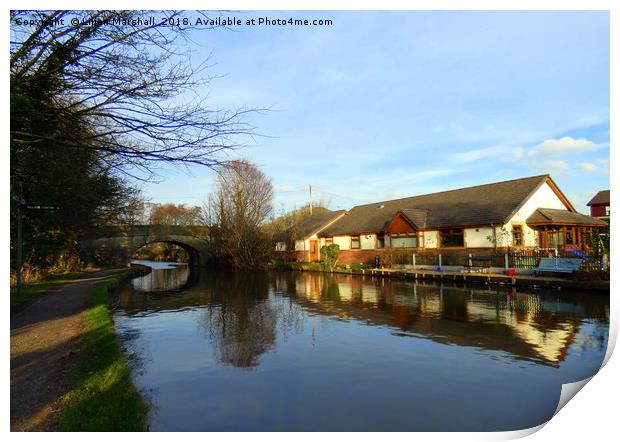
[(103, 398), (35, 289)]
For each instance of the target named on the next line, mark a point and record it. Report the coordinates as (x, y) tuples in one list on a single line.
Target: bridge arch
[(192, 254), (115, 245)]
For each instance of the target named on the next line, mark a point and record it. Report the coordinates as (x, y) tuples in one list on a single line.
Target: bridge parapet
[(147, 230), (115, 244)]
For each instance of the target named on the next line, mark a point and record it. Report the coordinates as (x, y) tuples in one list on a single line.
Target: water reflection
[(302, 351), (164, 277), (538, 327), (241, 324)]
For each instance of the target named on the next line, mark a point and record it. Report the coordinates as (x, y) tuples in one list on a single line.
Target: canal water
[(268, 351)]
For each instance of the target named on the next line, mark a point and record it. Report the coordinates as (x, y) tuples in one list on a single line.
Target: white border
[(593, 415)]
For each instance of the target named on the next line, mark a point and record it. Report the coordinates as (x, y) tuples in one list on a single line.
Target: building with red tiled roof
[(599, 205)]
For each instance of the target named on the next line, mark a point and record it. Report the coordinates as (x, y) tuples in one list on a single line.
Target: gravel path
[(44, 345)]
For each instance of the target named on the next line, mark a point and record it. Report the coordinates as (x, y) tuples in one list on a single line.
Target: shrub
[(329, 256)]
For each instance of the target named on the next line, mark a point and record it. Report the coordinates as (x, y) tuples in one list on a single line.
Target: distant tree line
[(175, 215)]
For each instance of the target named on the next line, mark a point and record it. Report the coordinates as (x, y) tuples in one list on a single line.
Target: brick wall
[(597, 210), (394, 256), (358, 256)]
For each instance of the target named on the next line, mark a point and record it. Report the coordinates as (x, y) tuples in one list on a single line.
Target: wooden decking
[(484, 278)]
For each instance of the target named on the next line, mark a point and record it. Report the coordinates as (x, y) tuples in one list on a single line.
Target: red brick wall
[(358, 256), (597, 210)]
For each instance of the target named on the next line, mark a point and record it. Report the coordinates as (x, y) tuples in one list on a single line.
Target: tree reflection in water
[(241, 322)]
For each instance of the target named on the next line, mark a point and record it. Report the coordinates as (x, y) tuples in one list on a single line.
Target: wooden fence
[(517, 258)]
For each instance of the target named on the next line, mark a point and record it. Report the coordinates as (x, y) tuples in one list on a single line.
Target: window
[(517, 236), (555, 238), (606, 210), (402, 240), (280, 246), (380, 241), (355, 242), (452, 238), (569, 237)]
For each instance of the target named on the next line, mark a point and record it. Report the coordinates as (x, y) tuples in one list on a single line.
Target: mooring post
[(505, 260), (413, 259), (440, 260)]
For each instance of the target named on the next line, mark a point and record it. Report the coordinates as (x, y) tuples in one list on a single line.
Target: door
[(314, 250)]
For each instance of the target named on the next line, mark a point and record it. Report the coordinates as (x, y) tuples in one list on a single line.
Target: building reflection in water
[(539, 327)]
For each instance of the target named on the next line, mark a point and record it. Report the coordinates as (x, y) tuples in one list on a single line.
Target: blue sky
[(383, 105)]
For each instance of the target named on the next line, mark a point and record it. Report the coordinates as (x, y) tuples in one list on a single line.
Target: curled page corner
[(611, 343), (517, 434), (569, 391)]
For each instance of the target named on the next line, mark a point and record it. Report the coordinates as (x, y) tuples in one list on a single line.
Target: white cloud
[(588, 167), (477, 154), (563, 145), (519, 153), (544, 156), (400, 176), (551, 165), (603, 168)]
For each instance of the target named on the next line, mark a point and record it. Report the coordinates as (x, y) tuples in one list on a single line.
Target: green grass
[(360, 266), (103, 397), (308, 265), (31, 291)]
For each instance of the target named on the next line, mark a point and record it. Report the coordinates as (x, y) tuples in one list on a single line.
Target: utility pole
[(310, 190), (20, 203), (19, 248)]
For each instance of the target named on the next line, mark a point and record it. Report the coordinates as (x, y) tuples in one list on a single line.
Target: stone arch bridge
[(116, 244)]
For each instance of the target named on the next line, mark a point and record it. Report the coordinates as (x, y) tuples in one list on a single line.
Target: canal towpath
[(44, 345)]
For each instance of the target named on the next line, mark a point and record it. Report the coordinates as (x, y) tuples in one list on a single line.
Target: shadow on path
[(44, 344)]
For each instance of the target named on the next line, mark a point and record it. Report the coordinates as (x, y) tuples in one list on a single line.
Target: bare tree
[(128, 79), (236, 211)]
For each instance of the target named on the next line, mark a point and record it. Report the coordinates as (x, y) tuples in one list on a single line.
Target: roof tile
[(485, 204)]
